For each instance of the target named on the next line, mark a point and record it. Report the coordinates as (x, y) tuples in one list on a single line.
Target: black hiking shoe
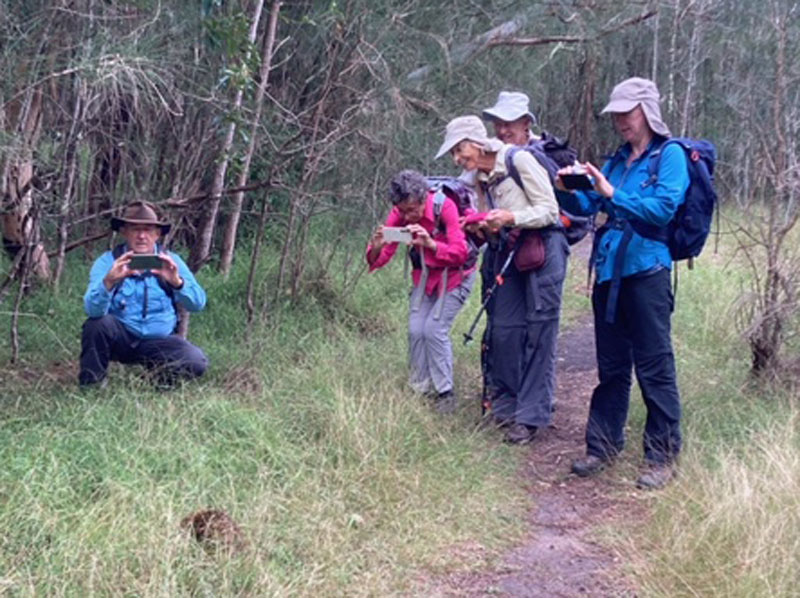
[(655, 476), (589, 465), (519, 434), (445, 403)]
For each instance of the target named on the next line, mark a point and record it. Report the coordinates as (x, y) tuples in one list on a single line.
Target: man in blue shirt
[(132, 312)]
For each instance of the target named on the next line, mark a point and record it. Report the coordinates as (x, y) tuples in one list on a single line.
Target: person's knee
[(416, 329), (102, 326), (195, 363)]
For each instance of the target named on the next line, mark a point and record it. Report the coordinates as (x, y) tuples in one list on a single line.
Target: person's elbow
[(93, 309), (195, 301)]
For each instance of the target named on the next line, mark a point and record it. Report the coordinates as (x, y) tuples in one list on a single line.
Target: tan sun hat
[(139, 212), (510, 106), (638, 92), (461, 128)]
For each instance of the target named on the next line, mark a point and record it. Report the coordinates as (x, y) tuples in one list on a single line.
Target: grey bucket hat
[(461, 128), (638, 92), (510, 106)]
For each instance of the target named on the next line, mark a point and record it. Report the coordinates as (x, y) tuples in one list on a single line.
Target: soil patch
[(30, 376)]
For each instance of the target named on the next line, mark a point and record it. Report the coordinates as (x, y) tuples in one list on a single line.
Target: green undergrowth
[(343, 482)]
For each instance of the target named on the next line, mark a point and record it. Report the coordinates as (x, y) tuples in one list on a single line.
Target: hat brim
[(451, 143), (620, 106), (493, 114), (447, 146), (118, 223)]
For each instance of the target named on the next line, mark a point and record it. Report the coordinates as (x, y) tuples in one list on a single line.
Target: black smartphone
[(577, 181), (145, 261)]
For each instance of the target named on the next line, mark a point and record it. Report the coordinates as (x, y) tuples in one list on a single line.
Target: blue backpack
[(688, 230)]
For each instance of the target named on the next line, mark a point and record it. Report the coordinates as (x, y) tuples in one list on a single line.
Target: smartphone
[(577, 181), (145, 261), (396, 234)]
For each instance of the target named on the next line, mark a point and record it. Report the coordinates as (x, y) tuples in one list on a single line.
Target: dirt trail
[(560, 555)]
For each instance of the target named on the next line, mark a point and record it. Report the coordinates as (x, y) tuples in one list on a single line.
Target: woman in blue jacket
[(632, 299)]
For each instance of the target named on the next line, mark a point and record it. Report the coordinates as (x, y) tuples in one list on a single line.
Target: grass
[(303, 431), (728, 526), (344, 483)]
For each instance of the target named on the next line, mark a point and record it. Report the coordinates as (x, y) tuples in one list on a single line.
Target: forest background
[(267, 132)]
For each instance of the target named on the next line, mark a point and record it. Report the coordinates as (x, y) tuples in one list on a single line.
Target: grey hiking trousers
[(520, 368), (430, 351)]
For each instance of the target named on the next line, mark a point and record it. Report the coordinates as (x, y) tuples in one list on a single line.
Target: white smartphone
[(396, 234)]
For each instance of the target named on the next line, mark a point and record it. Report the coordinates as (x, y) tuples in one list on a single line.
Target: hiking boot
[(445, 403), (519, 434), (655, 476), (589, 465)]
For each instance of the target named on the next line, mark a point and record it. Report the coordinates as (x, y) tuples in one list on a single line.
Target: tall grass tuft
[(728, 526), (732, 530)]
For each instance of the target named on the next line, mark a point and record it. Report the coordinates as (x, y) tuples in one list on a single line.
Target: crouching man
[(132, 304)]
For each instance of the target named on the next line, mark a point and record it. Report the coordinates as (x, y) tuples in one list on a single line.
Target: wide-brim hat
[(510, 106), (638, 92), (140, 212), (461, 128)]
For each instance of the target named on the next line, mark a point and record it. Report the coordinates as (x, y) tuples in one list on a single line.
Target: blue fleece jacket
[(634, 198)]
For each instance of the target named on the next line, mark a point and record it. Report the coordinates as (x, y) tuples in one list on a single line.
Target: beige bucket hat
[(465, 127), (510, 106), (638, 92)]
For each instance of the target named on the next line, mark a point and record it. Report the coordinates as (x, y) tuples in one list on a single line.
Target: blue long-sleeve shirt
[(126, 301), (653, 204)]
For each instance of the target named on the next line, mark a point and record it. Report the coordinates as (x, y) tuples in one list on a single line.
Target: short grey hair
[(408, 184)]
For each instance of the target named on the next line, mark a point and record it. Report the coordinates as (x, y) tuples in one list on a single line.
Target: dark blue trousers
[(520, 339), (638, 339), (105, 339)]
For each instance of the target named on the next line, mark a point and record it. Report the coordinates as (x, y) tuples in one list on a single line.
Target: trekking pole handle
[(498, 281)]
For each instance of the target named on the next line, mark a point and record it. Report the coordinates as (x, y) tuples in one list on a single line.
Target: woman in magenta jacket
[(441, 277)]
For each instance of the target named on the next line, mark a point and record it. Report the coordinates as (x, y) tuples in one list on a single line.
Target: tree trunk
[(201, 249), (229, 238), (249, 299), (695, 43), (673, 57), (70, 167), (18, 227)]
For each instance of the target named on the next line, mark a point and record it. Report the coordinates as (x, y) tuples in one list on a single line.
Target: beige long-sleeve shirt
[(535, 206)]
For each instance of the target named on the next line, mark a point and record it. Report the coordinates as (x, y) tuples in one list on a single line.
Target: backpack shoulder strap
[(438, 203), (170, 292), (654, 159), (166, 287), (117, 251), (511, 168)]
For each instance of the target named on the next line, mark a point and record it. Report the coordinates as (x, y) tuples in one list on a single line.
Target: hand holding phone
[(576, 181), (145, 261), (396, 234)]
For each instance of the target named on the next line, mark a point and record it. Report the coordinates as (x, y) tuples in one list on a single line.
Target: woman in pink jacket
[(441, 276)]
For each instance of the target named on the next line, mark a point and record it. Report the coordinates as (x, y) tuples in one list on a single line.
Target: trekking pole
[(498, 281)]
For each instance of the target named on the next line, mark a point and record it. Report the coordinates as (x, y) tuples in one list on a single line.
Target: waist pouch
[(529, 249)]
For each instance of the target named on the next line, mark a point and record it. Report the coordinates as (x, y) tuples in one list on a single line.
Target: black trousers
[(105, 339), (639, 339)]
